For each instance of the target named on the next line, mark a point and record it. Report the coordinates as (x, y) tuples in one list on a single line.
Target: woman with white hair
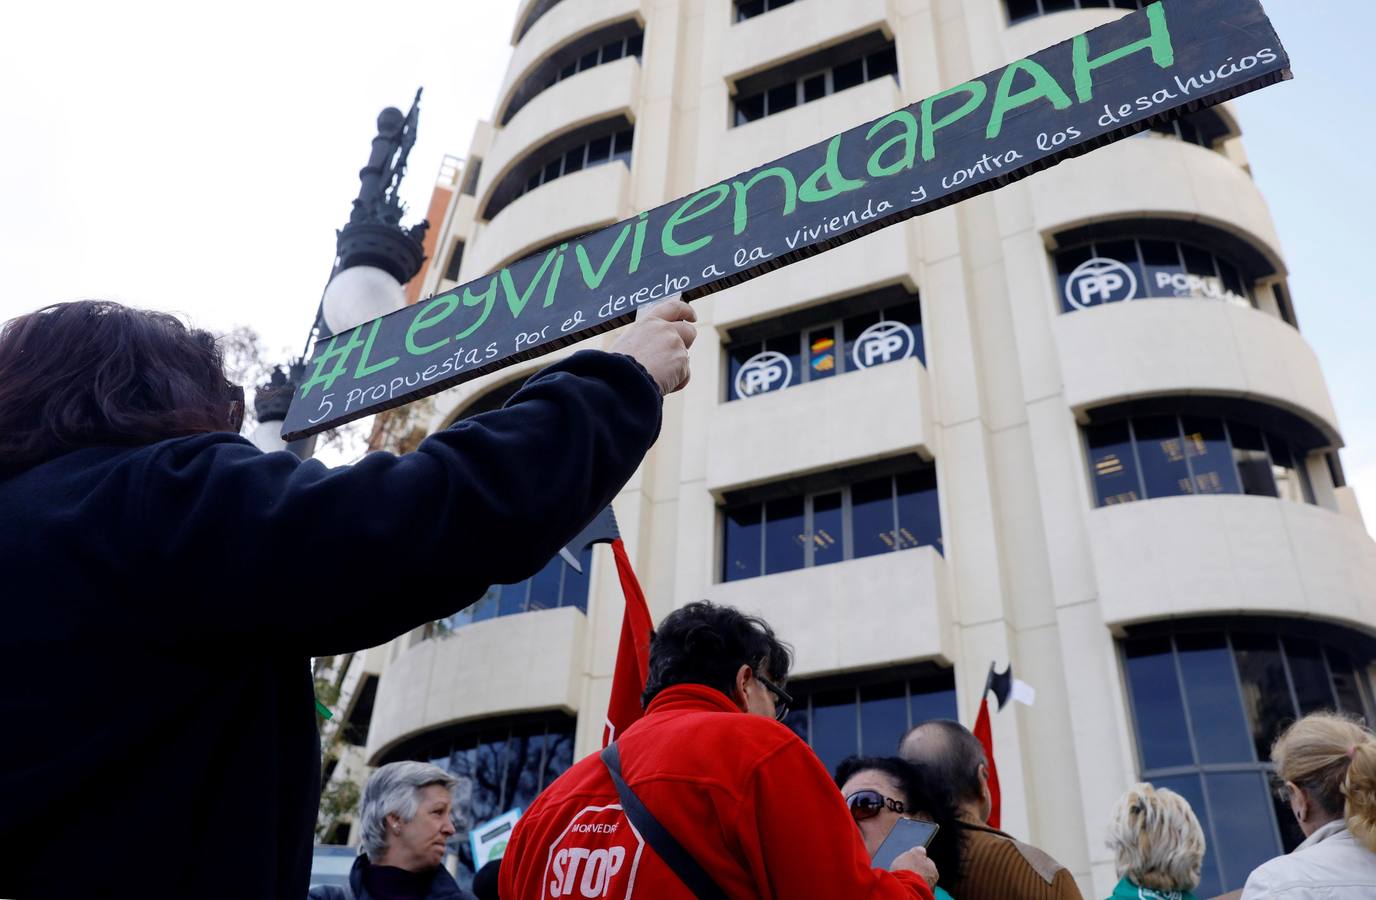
[(1328, 765), (406, 820), (1157, 844)]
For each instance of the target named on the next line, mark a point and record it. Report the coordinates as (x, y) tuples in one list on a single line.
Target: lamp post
[(374, 258)]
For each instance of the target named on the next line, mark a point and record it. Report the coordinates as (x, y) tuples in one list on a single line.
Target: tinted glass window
[(848, 75), (883, 717), (1161, 732), (1243, 828), (1309, 672), (872, 516), (919, 519), (1162, 455), (1220, 730), (1211, 459), (827, 529), (1253, 463), (870, 721), (783, 535), (834, 726), (1113, 463), (744, 533)]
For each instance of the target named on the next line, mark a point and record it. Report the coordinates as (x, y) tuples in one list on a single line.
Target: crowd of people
[(737, 806), (129, 501)]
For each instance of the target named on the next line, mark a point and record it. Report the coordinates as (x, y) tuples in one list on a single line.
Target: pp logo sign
[(597, 855), (763, 373), (883, 342), (1100, 280)]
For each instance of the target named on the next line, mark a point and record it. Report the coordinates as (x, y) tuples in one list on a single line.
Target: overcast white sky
[(198, 158)]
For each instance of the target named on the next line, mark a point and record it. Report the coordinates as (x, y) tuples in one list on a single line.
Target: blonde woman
[(1328, 763), (1157, 844)]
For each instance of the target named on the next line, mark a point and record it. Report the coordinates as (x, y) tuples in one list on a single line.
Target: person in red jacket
[(741, 793)]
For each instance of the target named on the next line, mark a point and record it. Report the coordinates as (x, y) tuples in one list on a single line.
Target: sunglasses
[(868, 804), (782, 700)]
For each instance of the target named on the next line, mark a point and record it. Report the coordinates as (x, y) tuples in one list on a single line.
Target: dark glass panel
[(545, 584), (1285, 470), (1265, 690), (635, 44), (784, 537), (1125, 252), (1164, 271), (738, 355), (919, 516), (575, 591), (783, 97), (514, 598), (599, 149), (1220, 729), (1190, 134), (741, 549), (1201, 274), (821, 353), (851, 329), (827, 546), (748, 9), (1112, 464), (910, 314), (527, 762), (1052, 6), (931, 704), (847, 75), (1233, 285), (748, 109), (588, 61), (1313, 688), (883, 718), (1211, 458), (568, 71), (796, 720), (1022, 9), (533, 182), (552, 169), (573, 160), (1243, 823), (814, 88), (1066, 263), (625, 141), (1160, 714), (613, 51), (790, 345), (833, 726), (1161, 453), (558, 753), (1290, 834), (1345, 678), (1095, 4), (486, 607), (1190, 787), (872, 512), (881, 63), (1253, 464)]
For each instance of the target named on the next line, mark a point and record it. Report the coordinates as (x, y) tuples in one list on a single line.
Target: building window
[(819, 75), (500, 766), (1167, 455), (470, 177), (861, 516), (355, 728), (749, 9), (556, 585), (451, 269), (1114, 271), (1020, 10), (625, 39), (856, 333), (1205, 128), (867, 713), (606, 142), (537, 10), (1208, 703)]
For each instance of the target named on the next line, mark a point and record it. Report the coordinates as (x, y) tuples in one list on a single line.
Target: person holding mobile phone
[(892, 805)]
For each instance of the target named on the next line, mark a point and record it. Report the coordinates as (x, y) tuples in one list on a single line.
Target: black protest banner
[(1172, 58)]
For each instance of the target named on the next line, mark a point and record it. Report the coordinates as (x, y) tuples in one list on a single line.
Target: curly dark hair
[(922, 793), (703, 643), (96, 373)]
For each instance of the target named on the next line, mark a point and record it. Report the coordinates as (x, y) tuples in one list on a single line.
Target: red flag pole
[(632, 654), (985, 734)]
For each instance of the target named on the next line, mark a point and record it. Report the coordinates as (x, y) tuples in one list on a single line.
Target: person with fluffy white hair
[(1157, 844)]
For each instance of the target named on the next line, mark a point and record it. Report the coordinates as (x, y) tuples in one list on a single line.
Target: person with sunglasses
[(880, 790), (749, 807)]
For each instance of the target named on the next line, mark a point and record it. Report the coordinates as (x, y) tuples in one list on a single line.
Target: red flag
[(985, 734), (632, 656)]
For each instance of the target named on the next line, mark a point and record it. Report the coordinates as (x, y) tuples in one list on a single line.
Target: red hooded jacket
[(742, 794)]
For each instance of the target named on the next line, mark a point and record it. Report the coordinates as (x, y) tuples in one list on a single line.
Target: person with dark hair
[(707, 795), (993, 865), (167, 582), (879, 790)]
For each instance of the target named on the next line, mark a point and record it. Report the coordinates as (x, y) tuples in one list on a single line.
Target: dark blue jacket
[(161, 604), (442, 886)]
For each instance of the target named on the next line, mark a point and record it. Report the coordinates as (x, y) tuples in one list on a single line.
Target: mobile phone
[(904, 836)]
